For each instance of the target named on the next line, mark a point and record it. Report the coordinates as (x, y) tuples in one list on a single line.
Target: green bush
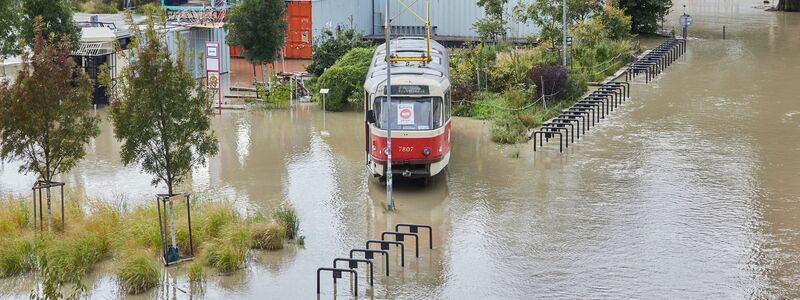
[(332, 45), (589, 32), (287, 217), (507, 128), (617, 24), (75, 256), (345, 79), (138, 273)]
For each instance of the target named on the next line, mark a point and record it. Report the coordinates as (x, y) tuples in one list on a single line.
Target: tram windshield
[(409, 113)]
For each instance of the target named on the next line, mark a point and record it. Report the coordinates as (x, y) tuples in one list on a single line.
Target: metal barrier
[(385, 246), (337, 273), (547, 134), (414, 228), (352, 263), (370, 254), (400, 236)]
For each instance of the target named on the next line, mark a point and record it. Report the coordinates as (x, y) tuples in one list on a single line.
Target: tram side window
[(447, 106), (437, 112)]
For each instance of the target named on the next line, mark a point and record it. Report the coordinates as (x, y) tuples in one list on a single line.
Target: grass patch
[(197, 272), (287, 217), (222, 239), (300, 240), (268, 236), (138, 273)]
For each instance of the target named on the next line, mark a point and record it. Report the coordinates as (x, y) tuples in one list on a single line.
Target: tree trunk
[(789, 5), (49, 211)]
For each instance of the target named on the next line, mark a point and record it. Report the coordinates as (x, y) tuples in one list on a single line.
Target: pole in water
[(723, 32), (389, 201)]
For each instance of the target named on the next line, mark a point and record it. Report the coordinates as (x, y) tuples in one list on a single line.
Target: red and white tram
[(420, 110)]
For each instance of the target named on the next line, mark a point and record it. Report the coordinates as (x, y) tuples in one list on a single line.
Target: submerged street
[(688, 190)]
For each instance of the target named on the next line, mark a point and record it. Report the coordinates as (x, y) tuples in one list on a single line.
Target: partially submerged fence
[(369, 254), (585, 113)]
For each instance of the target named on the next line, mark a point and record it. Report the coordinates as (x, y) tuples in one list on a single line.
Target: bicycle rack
[(570, 132), (570, 121), (414, 228), (400, 236), (352, 263), (581, 121), (370, 254), (337, 273), (385, 246), (547, 134)]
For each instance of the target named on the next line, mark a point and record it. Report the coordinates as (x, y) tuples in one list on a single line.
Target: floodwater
[(689, 190)]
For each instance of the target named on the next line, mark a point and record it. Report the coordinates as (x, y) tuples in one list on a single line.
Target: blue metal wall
[(451, 17), (195, 39)]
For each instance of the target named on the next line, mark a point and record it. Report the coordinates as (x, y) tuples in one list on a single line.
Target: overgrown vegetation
[(345, 80), (332, 45), (222, 240), (520, 87), (645, 15)]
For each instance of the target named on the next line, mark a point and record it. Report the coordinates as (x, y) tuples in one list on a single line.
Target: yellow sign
[(213, 80)]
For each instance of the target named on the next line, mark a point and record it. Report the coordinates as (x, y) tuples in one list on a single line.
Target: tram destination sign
[(409, 90)]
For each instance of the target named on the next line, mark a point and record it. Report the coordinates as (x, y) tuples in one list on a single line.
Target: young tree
[(548, 14), (259, 28), (645, 15), (45, 115), (158, 110), (56, 19), (493, 25)]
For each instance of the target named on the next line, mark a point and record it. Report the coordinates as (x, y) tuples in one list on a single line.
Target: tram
[(419, 112)]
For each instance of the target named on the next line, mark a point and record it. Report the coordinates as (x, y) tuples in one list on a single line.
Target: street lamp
[(324, 131), (387, 107), (686, 21)]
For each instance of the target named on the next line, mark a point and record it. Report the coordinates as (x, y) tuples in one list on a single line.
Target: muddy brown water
[(689, 190)]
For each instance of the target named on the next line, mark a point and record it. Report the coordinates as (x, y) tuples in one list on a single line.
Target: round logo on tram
[(405, 114)]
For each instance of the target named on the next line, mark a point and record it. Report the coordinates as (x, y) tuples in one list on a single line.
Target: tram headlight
[(426, 151), (440, 149)]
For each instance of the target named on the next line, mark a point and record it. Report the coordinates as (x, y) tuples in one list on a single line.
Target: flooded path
[(689, 190)]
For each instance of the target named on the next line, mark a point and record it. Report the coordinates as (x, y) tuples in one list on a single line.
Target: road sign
[(212, 56), (213, 80), (686, 20), (405, 112)]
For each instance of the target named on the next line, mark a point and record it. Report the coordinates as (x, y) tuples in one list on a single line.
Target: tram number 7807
[(406, 149)]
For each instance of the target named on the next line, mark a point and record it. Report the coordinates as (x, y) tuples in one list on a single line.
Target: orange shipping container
[(298, 35)]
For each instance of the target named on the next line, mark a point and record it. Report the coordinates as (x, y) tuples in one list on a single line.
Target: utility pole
[(388, 112), (564, 42)]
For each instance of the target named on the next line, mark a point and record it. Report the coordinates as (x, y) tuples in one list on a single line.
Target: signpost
[(324, 92), (212, 71), (686, 21), (389, 200)]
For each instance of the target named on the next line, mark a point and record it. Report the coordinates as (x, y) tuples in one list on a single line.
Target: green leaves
[(159, 111), (45, 115), (258, 27), (332, 45), (345, 78), (646, 14)]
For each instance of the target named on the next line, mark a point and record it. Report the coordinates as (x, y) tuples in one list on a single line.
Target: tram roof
[(437, 70)]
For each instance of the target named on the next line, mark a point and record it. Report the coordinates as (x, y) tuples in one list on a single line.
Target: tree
[(789, 5), (645, 15), (45, 115), (259, 28), (493, 25), (56, 19), (9, 24), (159, 110), (332, 45), (548, 14)]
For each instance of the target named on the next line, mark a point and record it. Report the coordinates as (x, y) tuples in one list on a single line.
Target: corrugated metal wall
[(196, 39), (450, 17), (332, 13)]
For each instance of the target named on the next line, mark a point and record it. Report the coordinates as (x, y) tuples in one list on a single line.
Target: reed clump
[(138, 273), (268, 236), (287, 217)]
